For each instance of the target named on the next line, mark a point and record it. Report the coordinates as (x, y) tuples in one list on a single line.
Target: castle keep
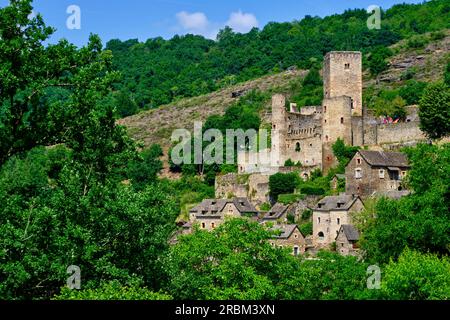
[(306, 134)]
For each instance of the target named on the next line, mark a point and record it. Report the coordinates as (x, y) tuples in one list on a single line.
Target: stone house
[(347, 240), (289, 236), (330, 214), (372, 172), (210, 213), (277, 214)]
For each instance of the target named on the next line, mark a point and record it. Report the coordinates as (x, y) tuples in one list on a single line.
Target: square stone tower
[(342, 76)]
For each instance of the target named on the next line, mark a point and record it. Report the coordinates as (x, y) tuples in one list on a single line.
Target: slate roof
[(276, 211), (385, 159), (286, 230), (341, 202), (212, 207), (350, 232)]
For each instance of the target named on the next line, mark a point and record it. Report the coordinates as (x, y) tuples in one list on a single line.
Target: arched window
[(297, 147), (321, 235), (342, 120)]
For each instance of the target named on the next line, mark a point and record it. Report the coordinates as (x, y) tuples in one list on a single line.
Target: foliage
[(159, 71), (416, 276), (310, 89), (434, 110), (221, 264), (282, 183), (290, 163), (377, 60), (343, 153), (67, 205), (412, 91), (419, 221), (289, 198), (111, 291), (306, 229), (145, 170)]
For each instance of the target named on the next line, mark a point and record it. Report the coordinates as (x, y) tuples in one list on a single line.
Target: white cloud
[(196, 21), (242, 22)]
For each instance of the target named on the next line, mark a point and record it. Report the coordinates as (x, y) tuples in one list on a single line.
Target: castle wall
[(399, 132)]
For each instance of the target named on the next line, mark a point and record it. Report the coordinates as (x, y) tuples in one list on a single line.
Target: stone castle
[(306, 135)]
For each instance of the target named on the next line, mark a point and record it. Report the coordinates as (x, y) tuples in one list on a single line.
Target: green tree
[(112, 291), (280, 183), (416, 276), (419, 221), (434, 110), (234, 261)]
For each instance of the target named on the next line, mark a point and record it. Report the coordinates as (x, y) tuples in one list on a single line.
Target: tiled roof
[(350, 232), (341, 202), (276, 211), (285, 229), (385, 159), (211, 207)]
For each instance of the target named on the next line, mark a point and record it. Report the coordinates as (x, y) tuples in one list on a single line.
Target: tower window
[(347, 66), (324, 109), (342, 120), (297, 147)]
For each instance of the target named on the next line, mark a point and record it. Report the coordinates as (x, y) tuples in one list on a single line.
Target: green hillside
[(158, 71)]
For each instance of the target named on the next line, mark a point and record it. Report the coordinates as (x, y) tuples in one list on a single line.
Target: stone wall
[(399, 132), (342, 75), (255, 187), (296, 239)]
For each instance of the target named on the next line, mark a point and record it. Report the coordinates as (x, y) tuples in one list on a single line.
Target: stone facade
[(347, 240), (330, 214), (212, 212), (371, 172), (255, 187), (289, 237), (306, 135)]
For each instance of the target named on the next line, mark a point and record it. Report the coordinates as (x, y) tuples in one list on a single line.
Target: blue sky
[(145, 19)]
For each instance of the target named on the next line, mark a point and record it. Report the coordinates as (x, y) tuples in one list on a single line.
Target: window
[(295, 236), (203, 225), (326, 137), (321, 235), (213, 225), (338, 221), (381, 173), (358, 173), (342, 120), (297, 147), (274, 126), (318, 218), (358, 161), (347, 66), (295, 250), (324, 109)]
